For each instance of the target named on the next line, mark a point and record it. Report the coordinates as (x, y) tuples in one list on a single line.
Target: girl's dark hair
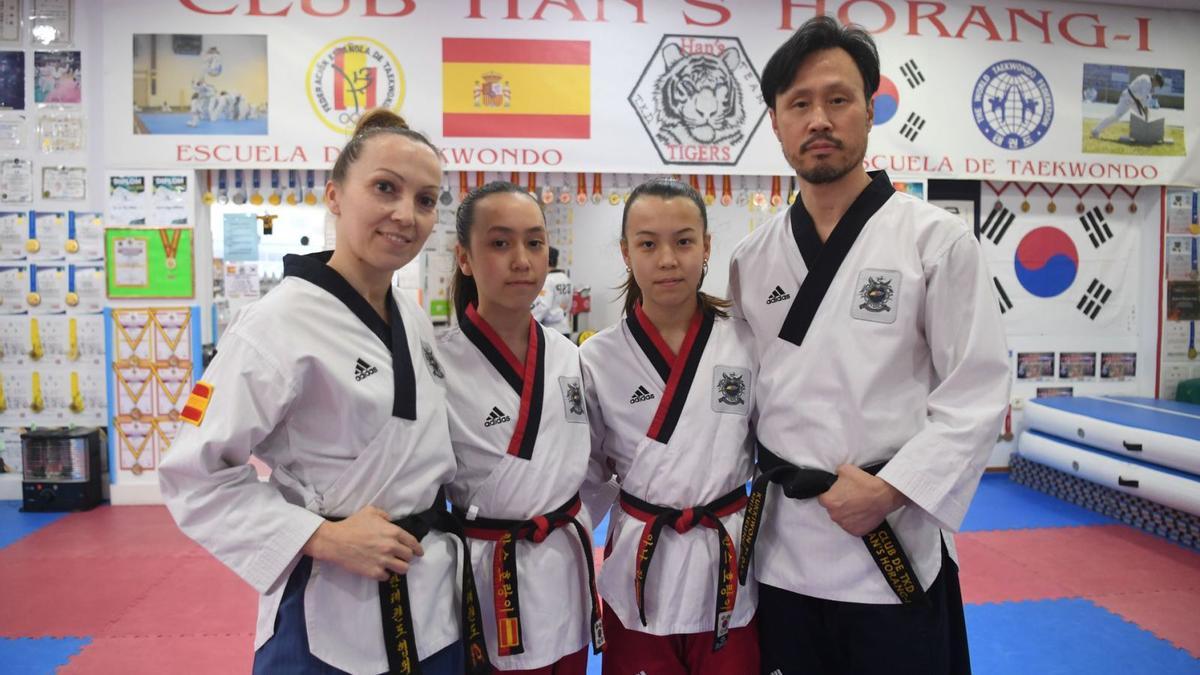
[(667, 188), (815, 35), (373, 123), (462, 287)]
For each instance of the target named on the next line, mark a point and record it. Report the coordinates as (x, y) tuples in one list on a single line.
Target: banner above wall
[(1050, 91)]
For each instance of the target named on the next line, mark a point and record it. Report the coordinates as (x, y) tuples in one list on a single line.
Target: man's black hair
[(818, 34)]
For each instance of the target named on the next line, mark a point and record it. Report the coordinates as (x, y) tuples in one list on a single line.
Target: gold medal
[(1051, 207), (1024, 207), (33, 246), (208, 198), (135, 414), (72, 299), (134, 361), (310, 198), (1133, 208), (173, 415), (709, 199), (1108, 208), (614, 199), (33, 299), (72, 246), (137, 470)]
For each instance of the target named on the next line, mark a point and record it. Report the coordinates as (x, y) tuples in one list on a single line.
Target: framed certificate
[(66, 183)]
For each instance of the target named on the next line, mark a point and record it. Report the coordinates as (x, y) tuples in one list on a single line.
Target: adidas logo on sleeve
[(363, 370), (495, 417), (778, 295), (640, 394)]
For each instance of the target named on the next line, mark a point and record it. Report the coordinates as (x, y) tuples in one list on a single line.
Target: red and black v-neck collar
[(678, 371), (823, 260), (527, 379), (314, 269)]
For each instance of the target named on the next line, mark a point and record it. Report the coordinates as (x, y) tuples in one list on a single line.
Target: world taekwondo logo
[(1012, 104)]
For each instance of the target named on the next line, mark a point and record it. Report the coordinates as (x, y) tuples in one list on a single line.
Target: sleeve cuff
[(925, 495), (278, 552)]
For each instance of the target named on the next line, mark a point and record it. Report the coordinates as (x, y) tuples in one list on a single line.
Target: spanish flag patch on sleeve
[(197, 403)]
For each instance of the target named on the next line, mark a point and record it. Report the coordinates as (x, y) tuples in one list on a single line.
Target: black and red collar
[(678, 371)]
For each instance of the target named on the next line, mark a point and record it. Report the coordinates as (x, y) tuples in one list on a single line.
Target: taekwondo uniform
[(520, 435), (552, 307), (675, 429), (1137, 94), (348, 411), (882, 344)]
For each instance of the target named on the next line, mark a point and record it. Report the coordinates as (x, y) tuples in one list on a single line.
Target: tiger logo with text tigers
[(698, 99)]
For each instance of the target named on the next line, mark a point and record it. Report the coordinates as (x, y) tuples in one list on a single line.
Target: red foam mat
[(199, 597), (72, 596), (193, 655), (1171, 615), (1096, 561), (988, 575), (133, 531)]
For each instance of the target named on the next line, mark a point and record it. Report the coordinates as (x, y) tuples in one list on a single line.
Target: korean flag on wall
[(1058, 271)]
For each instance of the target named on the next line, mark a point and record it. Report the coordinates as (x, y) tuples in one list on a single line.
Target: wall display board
[(154, 361), (1179, 358), (149, 262), (1031, 92)]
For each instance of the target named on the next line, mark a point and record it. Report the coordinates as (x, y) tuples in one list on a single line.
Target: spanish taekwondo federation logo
[(350, 76), (1012, 104)]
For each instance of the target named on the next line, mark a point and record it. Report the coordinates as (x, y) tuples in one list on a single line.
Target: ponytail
[(463, 290)]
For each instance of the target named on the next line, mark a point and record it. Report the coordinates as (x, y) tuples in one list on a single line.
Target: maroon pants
[(572, 664), (629, 652)]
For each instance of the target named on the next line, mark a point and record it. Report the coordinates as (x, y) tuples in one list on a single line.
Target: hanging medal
[(564, 191), (208, 198), (581, 195), (776, 192), (726, 190), (710, 189), (274, 199), (999, 191), (310, 196), (222, 187), (1025, 193), (1132, 193), (170, 240), (256, 197), (1108, 194), (597, 188), (1080, 208), (239, 192), (1051, 208), (793, 190), (291, 198)]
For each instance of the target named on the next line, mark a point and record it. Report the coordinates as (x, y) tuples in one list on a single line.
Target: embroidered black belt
[(799, 483), (682, 520), (396, 610), (506, 592)]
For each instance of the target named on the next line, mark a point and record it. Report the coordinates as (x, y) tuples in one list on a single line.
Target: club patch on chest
[(877, 295), (731, 390), (572, 393)]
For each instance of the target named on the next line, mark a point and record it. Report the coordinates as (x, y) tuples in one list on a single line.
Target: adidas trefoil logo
[(363, 370), (496, 417), (640, 394), (778, 295)]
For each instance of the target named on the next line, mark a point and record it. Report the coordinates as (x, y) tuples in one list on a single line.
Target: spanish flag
[(197, 403), (497, 88)]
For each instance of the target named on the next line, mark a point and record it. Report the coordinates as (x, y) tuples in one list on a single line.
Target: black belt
[(799, 483), (682, 520), (504, 566), (396, 611), (1137, 101)]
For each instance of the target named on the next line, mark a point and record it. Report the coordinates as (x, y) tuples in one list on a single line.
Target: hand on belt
[(682, 520), (504, 567), (396, 609), (798, 483)]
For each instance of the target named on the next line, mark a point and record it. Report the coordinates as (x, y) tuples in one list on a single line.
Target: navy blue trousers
[(287, 650)]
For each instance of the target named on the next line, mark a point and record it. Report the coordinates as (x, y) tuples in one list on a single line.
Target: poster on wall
[(149, 262), (59, 77), (1133, 110), (12, 80), (1077, 365), (1118, 366), (188, 84), (126, 200), (1035, 365), (1183, 300)]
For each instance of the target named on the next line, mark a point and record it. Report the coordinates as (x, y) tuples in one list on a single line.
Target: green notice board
[(148, 262)]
